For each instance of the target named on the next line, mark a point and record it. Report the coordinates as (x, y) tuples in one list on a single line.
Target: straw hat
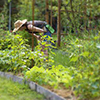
[(18, 24)]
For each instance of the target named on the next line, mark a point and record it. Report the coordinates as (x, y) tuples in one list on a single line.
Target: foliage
[(28, 36), (80, 15), (81, 71), (53, 76), (4, 19), (42, 52), (82, 56), (76, 64), (25, 11), (14, 53), (17, 56), (75, 17)]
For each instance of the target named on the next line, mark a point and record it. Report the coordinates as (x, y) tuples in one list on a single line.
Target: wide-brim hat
[(18, 24)]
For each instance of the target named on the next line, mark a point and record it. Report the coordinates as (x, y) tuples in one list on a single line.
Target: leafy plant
[(53, 76), (14, 55), (82, 57)]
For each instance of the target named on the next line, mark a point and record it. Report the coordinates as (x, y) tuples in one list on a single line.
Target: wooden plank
[(85, 10), (33, 2), (59, 24), (51, 14), (47, 11)]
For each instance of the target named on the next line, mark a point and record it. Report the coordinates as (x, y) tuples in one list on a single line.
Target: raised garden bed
[(33, 86)]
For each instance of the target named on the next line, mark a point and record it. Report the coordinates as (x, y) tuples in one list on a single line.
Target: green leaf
[(96, 37), (85, 54), (74, 59), (9, 1)]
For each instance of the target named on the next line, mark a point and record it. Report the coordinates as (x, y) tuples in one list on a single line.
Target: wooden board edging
[(33, 86)]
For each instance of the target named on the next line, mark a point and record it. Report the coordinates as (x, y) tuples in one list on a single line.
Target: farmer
[(38, 27), (27, 26)]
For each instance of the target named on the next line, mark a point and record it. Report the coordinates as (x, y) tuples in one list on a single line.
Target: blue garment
[(47, 33)]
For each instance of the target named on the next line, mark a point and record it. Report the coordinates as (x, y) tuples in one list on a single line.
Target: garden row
[(74, 67)]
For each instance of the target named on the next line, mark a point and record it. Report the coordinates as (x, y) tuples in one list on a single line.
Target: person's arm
[(37, 36), (35, 29)]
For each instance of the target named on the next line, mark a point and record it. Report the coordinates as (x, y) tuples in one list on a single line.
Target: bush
[(82, 57), (54, 76), (14, 53)]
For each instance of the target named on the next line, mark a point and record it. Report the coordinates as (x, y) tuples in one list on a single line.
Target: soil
[(66, 93)]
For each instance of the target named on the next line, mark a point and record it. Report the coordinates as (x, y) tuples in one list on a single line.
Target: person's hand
[(37, 36), (44, 28)]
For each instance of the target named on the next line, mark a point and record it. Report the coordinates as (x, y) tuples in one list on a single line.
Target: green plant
[(14, 53), (53, 76), (4, 20), (81, 55), (28, 36)]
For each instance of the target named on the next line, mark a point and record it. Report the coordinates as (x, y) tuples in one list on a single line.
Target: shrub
[(53, 76), (14, 52)]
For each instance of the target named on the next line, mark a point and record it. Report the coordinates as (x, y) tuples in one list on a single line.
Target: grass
[(10, 90), (69, 46), (60, 58)]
